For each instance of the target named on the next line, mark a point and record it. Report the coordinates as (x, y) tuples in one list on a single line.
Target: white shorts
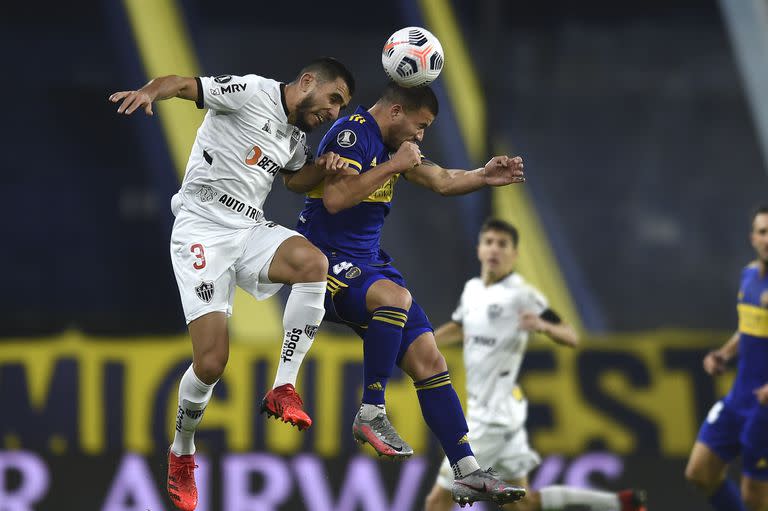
[(209, 260), (507, 451)]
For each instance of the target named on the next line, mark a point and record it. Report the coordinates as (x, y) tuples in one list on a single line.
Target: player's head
[(324, 87), (497, 247), (405, 113), (759, 234)]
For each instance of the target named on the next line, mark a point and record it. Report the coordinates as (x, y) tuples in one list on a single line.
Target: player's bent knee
[(315, 269), (385, 293), (437, 363), (400, 298), (701, 478), (210, 367), (310, 265)]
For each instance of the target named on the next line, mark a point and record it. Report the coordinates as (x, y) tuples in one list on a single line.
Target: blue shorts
[(729, 432), (348, 283)]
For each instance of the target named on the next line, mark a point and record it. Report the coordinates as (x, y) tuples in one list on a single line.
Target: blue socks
[(381, 344), (443, 414)]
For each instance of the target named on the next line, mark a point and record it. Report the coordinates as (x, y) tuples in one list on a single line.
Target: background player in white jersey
[(495, 315), (254, 128)]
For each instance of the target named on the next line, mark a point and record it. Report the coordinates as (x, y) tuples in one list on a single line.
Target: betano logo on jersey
[(256, 157)]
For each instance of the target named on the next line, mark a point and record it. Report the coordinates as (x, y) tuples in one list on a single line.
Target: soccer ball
[(412, 57)]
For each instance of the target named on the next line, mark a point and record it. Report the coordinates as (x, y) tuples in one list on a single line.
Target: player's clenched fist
[(407, 156), (131, 100)]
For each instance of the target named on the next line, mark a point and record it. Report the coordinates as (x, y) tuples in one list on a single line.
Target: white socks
[(465, 466), (303, 313), (193, 398), (556, 498)]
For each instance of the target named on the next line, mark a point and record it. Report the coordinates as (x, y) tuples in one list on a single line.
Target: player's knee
[(210, 366), (701, 479), (314, 266), (400, 298), (436, 363)]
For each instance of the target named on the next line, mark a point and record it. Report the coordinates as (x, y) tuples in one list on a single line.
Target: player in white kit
[(254, 129), (496, 313)]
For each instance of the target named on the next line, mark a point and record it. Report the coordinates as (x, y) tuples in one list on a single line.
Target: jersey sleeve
[(301, 155), (225, 93), (460, 311), (349, 140), (536, 302)]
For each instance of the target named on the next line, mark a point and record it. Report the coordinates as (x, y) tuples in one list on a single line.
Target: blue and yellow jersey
[(353, 232), (752, 305)]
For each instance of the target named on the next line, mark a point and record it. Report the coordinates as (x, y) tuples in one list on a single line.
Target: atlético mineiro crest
[(205, 291), (310, 330)]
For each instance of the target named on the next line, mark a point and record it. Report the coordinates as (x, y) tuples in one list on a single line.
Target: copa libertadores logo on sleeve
[(346, 138)]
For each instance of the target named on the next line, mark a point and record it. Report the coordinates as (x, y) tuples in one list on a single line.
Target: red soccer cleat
[(284, 403), (181, 481), (632, 500)]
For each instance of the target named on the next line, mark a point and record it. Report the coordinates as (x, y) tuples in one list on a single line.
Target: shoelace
[(381, 425), (494, 476), (183, 468), (291, 398)]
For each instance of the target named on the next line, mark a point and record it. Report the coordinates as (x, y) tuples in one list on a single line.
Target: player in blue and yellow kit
[(738, 424), (344, 217)]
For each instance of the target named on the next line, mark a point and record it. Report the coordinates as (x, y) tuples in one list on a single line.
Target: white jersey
[(243, 142), (494, 346)]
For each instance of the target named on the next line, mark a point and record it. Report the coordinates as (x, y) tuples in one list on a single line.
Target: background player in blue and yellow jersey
[(738, 424), (344, 218)]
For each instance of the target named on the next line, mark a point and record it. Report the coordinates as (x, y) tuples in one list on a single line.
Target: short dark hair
[(411, 98), (329, 69), (760, 210), (496, 224)]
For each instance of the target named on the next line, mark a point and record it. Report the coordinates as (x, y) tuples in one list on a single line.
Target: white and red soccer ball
[(412, 57)]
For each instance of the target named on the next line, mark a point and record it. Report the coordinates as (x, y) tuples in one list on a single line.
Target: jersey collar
[(282, 99), (369, 119)]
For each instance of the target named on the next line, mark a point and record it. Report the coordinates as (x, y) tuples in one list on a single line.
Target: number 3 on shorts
[(199, 252)]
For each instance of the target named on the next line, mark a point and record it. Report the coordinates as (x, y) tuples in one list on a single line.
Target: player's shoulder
[(474, 285), (348, 132), (515, 281), (750, 270)]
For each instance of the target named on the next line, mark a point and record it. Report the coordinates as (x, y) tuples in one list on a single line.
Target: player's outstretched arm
[(499, 171), (716, 361), (164, 87), (449, 333), (343, 191), (312, 173), (550, 324)]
